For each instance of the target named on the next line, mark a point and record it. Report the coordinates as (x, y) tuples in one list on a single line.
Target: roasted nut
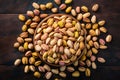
[(20, 40), (108, 38), (37, 74), (31, 31), (36, 19), (32, 68), (21, 49), (25, 45), (37, 63), (24, 60), (58, 2), (26, 69), (21, 17), (42, 7), (35, 5), (24, 27), (16, 44), (28, 22), (77, 9), (36, 12), (62, 74), (101, 60), (93, 19), (84, 9), (68, 1), (76, 74), (73, 12), (94, 65), (54, 10), (24, 34), (49, 5), (62, 6), (68, 9), (17, 62), (48, 75), (101, 23), (95, 7), (87, 72), (31, 60), (30, 13)]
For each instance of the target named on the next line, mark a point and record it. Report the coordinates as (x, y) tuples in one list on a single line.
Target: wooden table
[(10, 27)]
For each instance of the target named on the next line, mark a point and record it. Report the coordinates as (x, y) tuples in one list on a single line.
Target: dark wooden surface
[(10, 27)]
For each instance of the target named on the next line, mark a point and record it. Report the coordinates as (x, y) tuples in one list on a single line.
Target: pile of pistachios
[(61, 39)]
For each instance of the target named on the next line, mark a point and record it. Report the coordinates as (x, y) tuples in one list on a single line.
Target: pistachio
[(73, 12), (62, 74), (68, 9), (30, 46), (95, 7), (33, 25), (77, 9), (58, 2), (42, 7), (24, 60), (76, 74), (36, 12), (62, 68), (46, 67), (37, 74), (24, 27), (70, 43), (31, 60), (79, 16), (21, 49), (55, 71), (101, 60), (108, 38), (87, 72), (26, 69), (37, 63), (103, 29), (48, 75), (84, 9), (24, 34), (32, 68), (28, 53), (62, 6), (70, 69), (16, 44), (41, 69), (94, 50), (17, 62), (31, 31), (92, 58), (35, 5), (54, 10), (30, 13), (88, 62), (81, 69), (21, 17), (43, 15), (101, 23), (68, 1), (49, 5), (28, 22), (94, 65), (85, 15)]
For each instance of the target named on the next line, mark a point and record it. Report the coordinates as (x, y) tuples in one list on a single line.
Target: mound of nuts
[(58, 43), (57, 39)]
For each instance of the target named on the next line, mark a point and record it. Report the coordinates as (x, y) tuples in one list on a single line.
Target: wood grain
[(10, 27)]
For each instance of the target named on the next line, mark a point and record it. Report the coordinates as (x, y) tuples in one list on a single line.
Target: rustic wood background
[(10, 27)]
